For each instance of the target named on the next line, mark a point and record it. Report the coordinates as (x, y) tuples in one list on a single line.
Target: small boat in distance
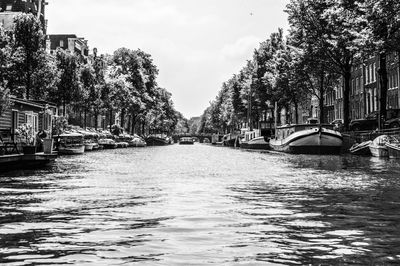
[(70, 143), (186, 141), (154, 140), (361, 148), (307, 139)]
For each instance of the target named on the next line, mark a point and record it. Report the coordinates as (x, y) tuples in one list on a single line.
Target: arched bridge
[(200, 137)]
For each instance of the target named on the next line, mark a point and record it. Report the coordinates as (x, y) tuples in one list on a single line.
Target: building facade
[(68, 42), (10, 8)]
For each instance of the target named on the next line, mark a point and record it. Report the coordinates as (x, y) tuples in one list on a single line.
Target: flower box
[(29, 149)]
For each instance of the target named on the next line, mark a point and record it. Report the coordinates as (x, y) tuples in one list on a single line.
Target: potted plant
[(25, 131)]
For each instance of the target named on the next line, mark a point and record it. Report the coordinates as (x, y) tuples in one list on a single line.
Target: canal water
[(202, 205)]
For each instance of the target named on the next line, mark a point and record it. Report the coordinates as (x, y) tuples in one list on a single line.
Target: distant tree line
[(326, 38), (123, 83)]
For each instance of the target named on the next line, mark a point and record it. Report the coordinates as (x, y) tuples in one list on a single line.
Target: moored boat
[(378, 146), (70, 143), (253, 140), (393, 150), (307, 139), (186, 141), (361, 148), (89, 146), (156, 141)]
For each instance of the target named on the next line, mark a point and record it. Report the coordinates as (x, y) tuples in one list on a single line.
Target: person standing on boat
[(39, 140)]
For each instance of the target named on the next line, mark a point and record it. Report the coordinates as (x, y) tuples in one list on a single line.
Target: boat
[(137, 141), (253, 140), (89, 146), (186, 140), (378, 146), (307, 139), (393, 148), (70, 143), (230, 139), (108, 143), (153, 140), (361, 148)]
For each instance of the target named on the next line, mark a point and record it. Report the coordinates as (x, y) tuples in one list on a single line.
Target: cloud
[(241, 48)]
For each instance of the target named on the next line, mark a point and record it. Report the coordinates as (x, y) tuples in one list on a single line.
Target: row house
[(364, 90)]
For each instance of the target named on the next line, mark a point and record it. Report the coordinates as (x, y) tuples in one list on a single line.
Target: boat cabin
[(287, 130), (38, 115)]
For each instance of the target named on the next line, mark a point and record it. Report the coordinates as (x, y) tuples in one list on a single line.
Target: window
[(9, 7), (373, 72), (368, 74), (61, 43)]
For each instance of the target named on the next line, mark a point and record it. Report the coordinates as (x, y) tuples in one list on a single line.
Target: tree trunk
[(122, 118), (64, 106), (296, 110), (111, 117), (346, 97), (96, 114), (84, 119), (383, 82)]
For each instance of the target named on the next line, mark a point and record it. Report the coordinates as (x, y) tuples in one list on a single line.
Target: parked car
[(370, 122)]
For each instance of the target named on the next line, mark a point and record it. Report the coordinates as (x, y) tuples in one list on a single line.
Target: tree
[(4, 71), (68, 89), (338, 28), (33, 71)]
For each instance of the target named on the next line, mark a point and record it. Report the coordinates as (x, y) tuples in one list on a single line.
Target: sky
[(196, 44)]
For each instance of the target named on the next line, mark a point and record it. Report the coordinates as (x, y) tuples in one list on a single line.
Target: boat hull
[(89, 147), (310, 141), (393, 150), (71, 150), (379, 151), (258, 143), (154, 141), (361, 149)]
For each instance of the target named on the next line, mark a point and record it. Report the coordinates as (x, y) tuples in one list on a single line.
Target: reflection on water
[(202, 205)]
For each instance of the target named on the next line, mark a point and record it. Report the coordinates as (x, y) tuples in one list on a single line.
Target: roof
[(27, 102)]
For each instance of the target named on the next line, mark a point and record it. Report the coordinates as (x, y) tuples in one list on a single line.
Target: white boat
[(378, 146), (89, 146), (70, 143), (307, 139), (393, 150)]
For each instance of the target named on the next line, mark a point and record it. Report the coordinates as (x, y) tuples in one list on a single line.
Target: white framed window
[(61, 43)]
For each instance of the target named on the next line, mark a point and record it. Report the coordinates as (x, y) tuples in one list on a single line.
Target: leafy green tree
[(34, 73), (338, 28), (5, 51), (68, 90)]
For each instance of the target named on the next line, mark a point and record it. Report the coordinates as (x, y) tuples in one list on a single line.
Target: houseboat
[(307, 139), (254, 140), (70, 143)]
